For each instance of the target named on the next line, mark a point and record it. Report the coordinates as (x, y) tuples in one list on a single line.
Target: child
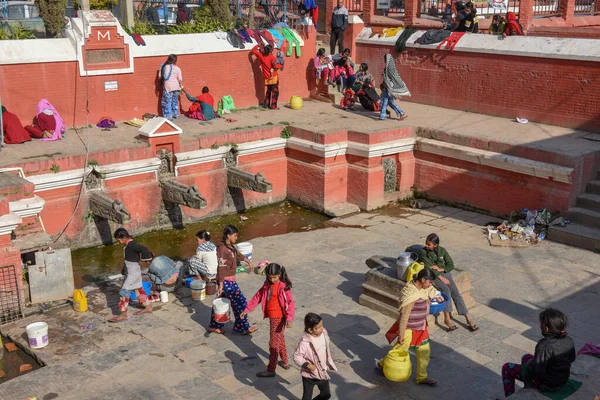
[(347, 102), (134, 255), (314, 357), (388, 100), (550, 367), (277, 305), (324, 67), (205, 262)]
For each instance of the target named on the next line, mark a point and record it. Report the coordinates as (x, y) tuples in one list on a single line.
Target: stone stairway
[(584, 229)]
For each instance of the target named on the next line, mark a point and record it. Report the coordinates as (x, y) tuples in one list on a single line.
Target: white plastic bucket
[(246, 249), (221, 308), (164, 297), (37, 335)]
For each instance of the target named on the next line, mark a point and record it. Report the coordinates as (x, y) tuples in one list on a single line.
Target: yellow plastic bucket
[(296, 103), (397, 366)]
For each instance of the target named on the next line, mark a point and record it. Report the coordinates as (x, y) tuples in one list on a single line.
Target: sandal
[(428, 382), (284, 366), (473, 328), (216, 330), (248, 332), (451, 328)]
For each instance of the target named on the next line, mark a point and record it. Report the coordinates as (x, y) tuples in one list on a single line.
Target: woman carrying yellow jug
[(411, 331)]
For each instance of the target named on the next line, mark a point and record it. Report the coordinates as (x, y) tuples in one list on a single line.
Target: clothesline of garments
[(275, 37)]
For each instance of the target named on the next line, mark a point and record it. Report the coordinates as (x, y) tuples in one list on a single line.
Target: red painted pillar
[(567, 10), (369, 10), (329, 6), (355, 26), (411, 11), (526, 13)]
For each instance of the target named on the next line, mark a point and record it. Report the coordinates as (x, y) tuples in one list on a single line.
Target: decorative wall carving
[(167, 162), (104, 207), (245, 180), (93, 180), (390, 183), (178, 193), (230, 158)]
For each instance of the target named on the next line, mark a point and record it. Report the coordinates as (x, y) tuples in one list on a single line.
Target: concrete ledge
[(496, 160)]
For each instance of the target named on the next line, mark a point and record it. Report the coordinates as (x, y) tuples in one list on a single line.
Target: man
[(151, 14), (472, 22), (14, 132), (339, 22), (461, 16)]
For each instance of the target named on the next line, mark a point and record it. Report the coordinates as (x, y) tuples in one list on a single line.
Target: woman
[(412, 322), (269, 69), (513, 28), (363, 75), (437, 258), (228, 257), (324, 67), (134, 255), (182, 14), (497, 26), (171, 78), (47, 124), (391, 78), (14, 133), (205, 262)]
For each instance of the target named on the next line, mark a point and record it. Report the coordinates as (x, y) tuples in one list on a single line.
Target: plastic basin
[(147, 286), (438, 308)]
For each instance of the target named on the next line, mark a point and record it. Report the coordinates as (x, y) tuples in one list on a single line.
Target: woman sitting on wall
[(437, 258), (47, 124), (497, 26), (14, 133)]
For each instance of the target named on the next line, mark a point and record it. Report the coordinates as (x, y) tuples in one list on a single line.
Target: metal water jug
[(405, 259)]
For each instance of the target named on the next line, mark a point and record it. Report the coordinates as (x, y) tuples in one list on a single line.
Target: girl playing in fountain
[(277, 305)]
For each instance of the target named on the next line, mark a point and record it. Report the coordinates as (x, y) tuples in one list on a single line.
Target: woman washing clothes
[(228, 257), (270, 68), (172, 82), (205, 262), (437, 258), (47, 124)]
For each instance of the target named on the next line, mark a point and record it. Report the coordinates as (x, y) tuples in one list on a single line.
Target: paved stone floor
[(168, 354)]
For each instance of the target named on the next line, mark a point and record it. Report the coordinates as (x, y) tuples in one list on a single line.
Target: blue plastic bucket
[(147, 286), (188, 281), (438, 308)]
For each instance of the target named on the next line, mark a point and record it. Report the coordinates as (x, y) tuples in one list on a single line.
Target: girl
[(413, 332), (437, 258), (277, 305), (205, 262), (324, 67), (314, 357), (388, 100), (550, 367), (363, 77), (170, 76), (133, 254), (228, 257)]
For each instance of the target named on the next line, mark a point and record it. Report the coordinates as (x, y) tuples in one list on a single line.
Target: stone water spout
[(178, 193), (245, 180), (104, 207)]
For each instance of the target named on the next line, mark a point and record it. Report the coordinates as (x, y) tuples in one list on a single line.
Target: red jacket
[(512, 25), (267, 63), (286, 300)]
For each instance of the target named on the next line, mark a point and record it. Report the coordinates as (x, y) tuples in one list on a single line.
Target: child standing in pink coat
[(277, 305), (314, 357)]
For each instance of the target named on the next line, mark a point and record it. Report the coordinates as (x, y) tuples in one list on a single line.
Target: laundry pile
[(524, 227), (276, 37)]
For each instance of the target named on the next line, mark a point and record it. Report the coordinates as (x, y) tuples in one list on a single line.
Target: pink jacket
[(306, 353), (286, 300)]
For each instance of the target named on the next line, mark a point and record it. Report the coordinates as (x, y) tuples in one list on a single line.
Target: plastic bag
[(79, 301), (228, 103)]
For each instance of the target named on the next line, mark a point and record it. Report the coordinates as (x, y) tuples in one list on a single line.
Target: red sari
[(14, 133)]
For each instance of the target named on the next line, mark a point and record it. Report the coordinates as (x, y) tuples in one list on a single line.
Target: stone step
[(585, 216), (576, 235), (593, 187), (589, 201)]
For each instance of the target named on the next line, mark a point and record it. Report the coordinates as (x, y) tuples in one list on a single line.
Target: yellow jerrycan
[(397, 366), (79, 301), (413, 270)]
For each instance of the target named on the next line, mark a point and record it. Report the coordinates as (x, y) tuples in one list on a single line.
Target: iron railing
[(587, 7), (11, 308), (547, 8), (354, 6)]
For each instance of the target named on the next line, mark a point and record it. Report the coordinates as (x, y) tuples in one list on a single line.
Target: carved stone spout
[(179, 193), (104, 207), (245, 180)]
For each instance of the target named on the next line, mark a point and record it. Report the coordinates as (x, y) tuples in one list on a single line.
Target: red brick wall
[(224, 73), (550, 91)]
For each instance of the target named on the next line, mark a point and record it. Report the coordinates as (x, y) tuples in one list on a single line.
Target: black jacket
[(551, 364)]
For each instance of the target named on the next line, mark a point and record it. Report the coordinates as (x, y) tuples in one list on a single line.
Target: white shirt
[(321, 348)]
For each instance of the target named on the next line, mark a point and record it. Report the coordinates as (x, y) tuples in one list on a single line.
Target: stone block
[(381, 289), (341, 209)]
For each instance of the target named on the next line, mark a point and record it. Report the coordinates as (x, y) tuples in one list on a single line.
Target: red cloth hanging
[(451, 41)]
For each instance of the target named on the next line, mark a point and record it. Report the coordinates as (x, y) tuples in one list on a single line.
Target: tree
[(53, 14)]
